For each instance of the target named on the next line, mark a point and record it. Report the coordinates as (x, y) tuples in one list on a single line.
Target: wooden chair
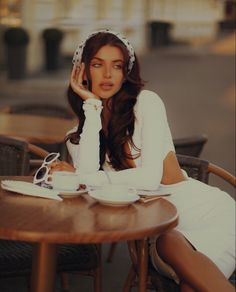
[(191, 146), (15, 156), (201, 170), (15, 256), (43, 109)]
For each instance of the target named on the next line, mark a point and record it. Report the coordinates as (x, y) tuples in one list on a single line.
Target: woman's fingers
[(77, 75), (77, 79), (74, 77), (76, 82), (80, 75), (61, 166)]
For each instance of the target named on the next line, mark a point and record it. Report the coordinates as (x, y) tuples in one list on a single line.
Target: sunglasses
[(42, 173)]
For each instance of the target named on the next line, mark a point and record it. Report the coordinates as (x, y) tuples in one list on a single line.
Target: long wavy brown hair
[(121, 124)]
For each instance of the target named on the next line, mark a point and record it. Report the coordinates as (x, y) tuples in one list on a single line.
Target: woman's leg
[(195, 270)]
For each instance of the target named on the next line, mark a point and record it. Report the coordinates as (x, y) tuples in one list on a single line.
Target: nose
[(107, 72)]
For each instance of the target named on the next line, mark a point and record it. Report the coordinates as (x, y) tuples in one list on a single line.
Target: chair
[(43, 109), (191, 146), (201, 170), (14, 156), (15, 256), (16, 260)]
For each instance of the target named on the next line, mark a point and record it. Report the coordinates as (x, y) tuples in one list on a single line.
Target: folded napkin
[(30, 189), (154, 193), (140, 192)]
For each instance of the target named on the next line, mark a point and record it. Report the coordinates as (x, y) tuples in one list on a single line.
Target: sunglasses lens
[(41, 173), (51, 157)]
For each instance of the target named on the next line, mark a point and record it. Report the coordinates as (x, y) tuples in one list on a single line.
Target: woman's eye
[(118, 66), (96, 65)]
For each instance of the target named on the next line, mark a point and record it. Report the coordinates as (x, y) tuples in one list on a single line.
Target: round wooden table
[(35, 129), (78, 220)]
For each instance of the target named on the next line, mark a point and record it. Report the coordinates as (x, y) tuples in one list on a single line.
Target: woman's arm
[(154, 130), (85, 155)]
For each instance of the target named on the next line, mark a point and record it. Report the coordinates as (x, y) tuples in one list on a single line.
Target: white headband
[(79, 50)]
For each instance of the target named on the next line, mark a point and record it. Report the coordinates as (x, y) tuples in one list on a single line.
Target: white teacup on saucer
[(64, 181)]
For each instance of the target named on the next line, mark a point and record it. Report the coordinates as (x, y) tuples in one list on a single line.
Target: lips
[(106, 85)]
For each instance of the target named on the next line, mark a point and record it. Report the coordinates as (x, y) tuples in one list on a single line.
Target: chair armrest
[(36, 162), (37, 150), (212, 168)]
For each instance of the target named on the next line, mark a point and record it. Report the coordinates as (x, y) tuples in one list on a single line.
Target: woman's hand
[(61, 166), (76, 82)]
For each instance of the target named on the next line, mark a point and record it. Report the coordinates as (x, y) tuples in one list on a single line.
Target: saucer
[(121, 200), (70, 194)]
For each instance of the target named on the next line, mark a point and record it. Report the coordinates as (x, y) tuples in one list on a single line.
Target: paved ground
[(197, 86)]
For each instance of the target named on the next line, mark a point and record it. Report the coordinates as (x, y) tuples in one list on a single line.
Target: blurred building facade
[(189, 19)]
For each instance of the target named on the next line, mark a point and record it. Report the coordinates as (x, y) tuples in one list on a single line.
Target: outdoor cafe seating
[(15, 160)]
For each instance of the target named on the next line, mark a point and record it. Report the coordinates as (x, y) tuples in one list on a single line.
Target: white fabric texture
[(206, 214)]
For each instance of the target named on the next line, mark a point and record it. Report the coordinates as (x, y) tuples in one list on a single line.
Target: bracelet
[(92, 102)]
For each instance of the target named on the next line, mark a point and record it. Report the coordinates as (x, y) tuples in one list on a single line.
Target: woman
[(123, 137)]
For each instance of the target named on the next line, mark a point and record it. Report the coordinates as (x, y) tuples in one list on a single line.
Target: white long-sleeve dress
[(206, 214)]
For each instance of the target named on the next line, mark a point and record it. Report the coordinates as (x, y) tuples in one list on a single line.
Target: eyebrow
[(114, 61)]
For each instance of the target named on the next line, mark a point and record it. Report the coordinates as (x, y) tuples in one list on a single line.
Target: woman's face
[(106, 71)]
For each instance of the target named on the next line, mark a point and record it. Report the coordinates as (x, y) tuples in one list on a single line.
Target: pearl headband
[(79, 50)]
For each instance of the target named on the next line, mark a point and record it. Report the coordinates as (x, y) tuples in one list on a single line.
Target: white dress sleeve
[(154, 128), (85, 155)]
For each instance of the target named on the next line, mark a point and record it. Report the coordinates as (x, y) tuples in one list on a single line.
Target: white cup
[(64, 180)]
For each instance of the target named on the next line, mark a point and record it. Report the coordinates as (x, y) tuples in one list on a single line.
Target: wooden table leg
[(44, 267), (143, 264), (129, 280)]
